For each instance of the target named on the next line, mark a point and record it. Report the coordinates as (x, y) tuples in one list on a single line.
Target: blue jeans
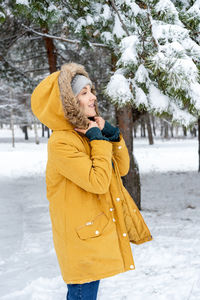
[(83, 291)]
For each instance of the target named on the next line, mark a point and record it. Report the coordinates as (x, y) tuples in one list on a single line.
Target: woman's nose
[(92, 96)]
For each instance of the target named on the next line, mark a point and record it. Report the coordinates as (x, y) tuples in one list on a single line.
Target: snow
[(106, 36), (140, 96), (89, 20), (158, 100), (181, 115), (52, 7), (168, 32), (167, 268), (141, 75), (23, 2), (106, 15), (167, 8), (194, 93), (134, 7), (118, 89), (117, 28), (194, 10), (128, 49)]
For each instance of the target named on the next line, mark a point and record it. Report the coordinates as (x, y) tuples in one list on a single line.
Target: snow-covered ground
[(167, 268)]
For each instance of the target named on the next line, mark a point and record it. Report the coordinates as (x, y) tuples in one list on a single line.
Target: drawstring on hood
[(54, 103)]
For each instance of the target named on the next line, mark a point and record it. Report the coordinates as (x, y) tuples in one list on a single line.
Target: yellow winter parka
[(93, 216)]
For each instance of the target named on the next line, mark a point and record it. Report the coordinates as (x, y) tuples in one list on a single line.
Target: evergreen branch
[(121, 21), (150, 19), (13, 68), (61, 38), (37, 70)]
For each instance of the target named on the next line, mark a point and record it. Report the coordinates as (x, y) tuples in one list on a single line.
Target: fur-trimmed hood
[(54, 103)]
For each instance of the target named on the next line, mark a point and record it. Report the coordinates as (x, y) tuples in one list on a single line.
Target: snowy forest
[(144, 60)]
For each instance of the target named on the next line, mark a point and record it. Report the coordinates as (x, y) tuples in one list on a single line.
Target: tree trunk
[(172, 130), (135, 130), (153, 125), (143, 131), (11, 119), (161, 127), (42, 130), (47, 129), (124, 118), (51, 51), (177, 130), (131, 181), (166, 130), (184, 130), (199, 141), (149, 130), (52, 59), (25, 131), (36, 132)]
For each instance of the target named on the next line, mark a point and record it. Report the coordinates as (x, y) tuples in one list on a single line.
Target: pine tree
[(154, 59)]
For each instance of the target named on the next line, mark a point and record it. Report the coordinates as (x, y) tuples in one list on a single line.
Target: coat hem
[(101, 276)]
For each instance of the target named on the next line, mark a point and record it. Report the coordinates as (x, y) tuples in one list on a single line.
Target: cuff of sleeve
[(111, 132), (94, 133), (119, 144), (108, 129), (115, 137)]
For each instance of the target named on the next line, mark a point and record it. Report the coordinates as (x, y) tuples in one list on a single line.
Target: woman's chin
[(92, 115)]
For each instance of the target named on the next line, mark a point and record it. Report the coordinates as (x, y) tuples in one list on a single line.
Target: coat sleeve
[(93, 174), (120, 152)]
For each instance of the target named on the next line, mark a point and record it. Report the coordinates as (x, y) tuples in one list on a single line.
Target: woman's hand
[(100, 122), (92, 124)]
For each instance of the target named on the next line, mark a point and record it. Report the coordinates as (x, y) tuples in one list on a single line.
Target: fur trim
[(72, 111)]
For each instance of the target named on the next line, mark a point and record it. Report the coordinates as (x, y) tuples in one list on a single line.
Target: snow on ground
[(167, 268), (27, 158)]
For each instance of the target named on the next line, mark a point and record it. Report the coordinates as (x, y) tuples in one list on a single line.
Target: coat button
[(114, 220), (118, 199), (124, 234), (132, 267), (97, 232), (119, 147), (111, 209), (88, 223)]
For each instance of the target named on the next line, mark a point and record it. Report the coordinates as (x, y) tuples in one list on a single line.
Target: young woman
[(93, 216)]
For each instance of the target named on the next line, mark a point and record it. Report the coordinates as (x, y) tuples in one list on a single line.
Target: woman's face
[(86, 99)]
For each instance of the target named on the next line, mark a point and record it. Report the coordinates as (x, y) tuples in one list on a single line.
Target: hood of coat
[(54, 103)]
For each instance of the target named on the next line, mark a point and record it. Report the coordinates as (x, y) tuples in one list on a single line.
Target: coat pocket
[(93, 228)]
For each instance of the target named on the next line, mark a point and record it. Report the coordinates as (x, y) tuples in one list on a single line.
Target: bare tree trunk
[(199, 141), (149, 130), (47, 129), (184, 130), (51, 51), (43, 130), (25, 131), (172, 130), (135, 129), (161, 127), (36, 131), (11, 119), (132, 180), (177, 129), (52, 59), (143, 131), (194, 131), (166, 130), (153, 125)]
